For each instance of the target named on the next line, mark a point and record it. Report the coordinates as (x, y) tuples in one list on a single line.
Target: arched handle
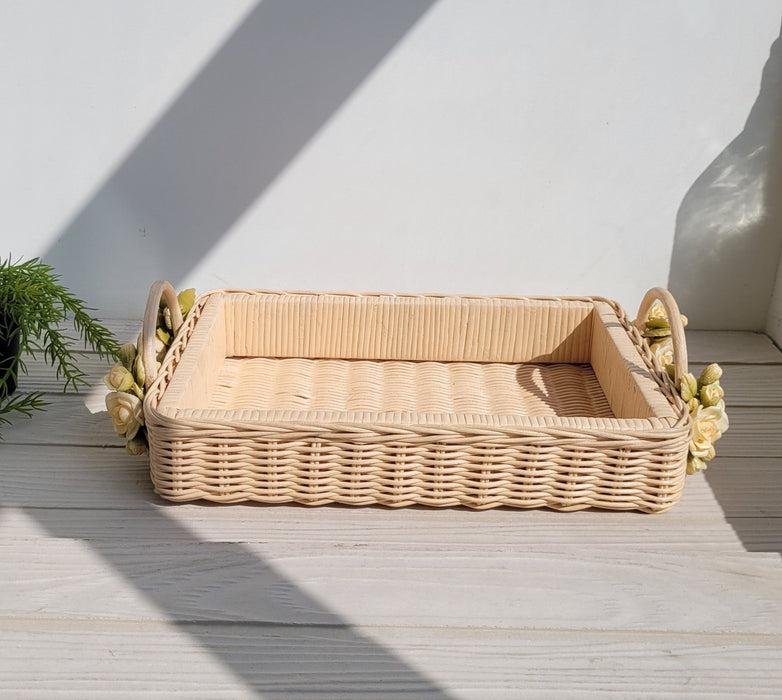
[(160, 289), (677, 328)]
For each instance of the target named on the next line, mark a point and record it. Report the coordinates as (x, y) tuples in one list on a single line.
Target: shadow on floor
[(750, 494), (268, 90), (272, 635)]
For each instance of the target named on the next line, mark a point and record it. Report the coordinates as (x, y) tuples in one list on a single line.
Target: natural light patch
[(17, 525), (124, 658), (85, 584), (106, 117), (95, 398)]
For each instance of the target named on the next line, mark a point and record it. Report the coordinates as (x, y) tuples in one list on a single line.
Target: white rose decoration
[(657, 312), (708, 426), (663, 351), (712, 394), (125, 412), (119, 379)]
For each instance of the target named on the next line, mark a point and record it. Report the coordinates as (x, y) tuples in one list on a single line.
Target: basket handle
[(160, 289), (677, 328)]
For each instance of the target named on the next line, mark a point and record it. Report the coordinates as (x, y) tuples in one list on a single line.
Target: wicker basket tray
[(403, 399)]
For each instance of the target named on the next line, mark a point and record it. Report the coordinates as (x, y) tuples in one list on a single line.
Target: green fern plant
[(35, 312)]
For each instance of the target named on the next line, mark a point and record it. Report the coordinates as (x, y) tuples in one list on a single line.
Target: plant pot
[(9, 355)]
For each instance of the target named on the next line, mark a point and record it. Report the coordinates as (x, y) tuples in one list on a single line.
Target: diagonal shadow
[(273, 84), (725, 256), (278, 640), (235, 127), (729, 225), (754, 509)]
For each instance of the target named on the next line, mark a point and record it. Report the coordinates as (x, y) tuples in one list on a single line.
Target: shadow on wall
[(245, 116), (729, 225), (275, 82)]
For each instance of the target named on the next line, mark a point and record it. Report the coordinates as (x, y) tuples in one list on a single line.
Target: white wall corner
[(774, 321)]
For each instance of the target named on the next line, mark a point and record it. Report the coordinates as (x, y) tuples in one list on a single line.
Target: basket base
[(291, 384)]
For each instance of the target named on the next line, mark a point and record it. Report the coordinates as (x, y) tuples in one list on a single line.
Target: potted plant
[(35, 312)]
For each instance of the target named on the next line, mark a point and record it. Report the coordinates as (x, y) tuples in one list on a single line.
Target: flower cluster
[(658, 334), (704, 396), (126, 379)]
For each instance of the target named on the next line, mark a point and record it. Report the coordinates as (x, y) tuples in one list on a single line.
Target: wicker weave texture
[(400, 327), (388, 386), (229, 423)]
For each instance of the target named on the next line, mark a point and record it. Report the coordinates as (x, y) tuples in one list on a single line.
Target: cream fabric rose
[(119, 379), (663, 351), (657, 312), (712, 394), (708, 426), (125, 412), (658, 316)]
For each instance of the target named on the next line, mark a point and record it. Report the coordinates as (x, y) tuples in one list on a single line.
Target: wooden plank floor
[(108, 591)]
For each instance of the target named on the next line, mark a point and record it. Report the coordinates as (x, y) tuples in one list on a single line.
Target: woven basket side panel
[(630, 389), (479, 471), (198, 369), (440, 329)]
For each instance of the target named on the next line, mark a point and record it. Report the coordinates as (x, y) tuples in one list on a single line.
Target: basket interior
[(332, 357), (389, 386)]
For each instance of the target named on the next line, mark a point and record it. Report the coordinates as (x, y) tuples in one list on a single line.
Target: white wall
[(479, 147), (774, 321)]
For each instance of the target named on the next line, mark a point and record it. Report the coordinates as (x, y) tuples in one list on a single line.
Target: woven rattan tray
[(410, 399)]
